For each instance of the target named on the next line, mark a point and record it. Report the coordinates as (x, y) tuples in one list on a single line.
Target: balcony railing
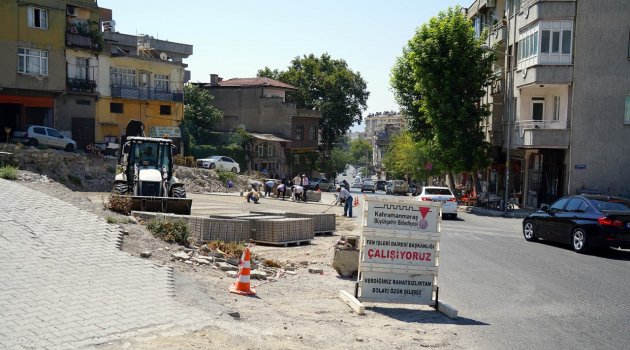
[(141, 93), (80, 85), (80, 40), (539, 124)]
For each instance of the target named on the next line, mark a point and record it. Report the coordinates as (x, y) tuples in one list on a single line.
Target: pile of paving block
[(273, 228)]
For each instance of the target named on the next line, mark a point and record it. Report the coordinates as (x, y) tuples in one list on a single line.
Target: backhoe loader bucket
[(172, 205)]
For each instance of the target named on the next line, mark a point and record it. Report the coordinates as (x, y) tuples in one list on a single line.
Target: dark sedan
[(585, 222)]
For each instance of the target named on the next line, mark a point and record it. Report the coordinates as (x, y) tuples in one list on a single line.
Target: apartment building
[(379, 128), (561, 101), (32, 63), (141, 78), (286, 138)]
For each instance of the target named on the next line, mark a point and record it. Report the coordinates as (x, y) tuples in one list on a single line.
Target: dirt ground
[(294, 310)]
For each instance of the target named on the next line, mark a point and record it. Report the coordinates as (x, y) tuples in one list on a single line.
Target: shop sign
[(160, 131)]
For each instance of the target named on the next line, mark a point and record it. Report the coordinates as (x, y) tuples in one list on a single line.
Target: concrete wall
[(247, 107), (599, 137)]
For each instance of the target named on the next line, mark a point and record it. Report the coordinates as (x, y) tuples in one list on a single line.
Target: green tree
[(405, 156), (200, 115), (329, 86), (439, 81), (361, 153)]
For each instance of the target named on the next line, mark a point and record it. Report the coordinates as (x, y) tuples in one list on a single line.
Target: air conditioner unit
[(72, 11)]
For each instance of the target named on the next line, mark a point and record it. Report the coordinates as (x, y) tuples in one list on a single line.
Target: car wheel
[(212, 166), (373, 191), (69, 148), (528, 231), (578, 240), (234, 170), (32, 142)]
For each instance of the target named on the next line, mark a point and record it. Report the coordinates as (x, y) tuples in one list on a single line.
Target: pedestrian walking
[(344, 194)]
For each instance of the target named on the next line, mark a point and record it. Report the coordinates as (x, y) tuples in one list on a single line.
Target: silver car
[(368, 185), (42, 135)]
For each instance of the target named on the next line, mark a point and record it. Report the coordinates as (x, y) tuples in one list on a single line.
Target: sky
[(236, 38)]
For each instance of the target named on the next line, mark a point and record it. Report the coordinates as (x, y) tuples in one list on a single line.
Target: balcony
[(80, 85), (540, 134), (498, 34), (544, 74), (141, 93)]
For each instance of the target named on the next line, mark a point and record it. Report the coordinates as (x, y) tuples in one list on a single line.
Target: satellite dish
[(163, 56)]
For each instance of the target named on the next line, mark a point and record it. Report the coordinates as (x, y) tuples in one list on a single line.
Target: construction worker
[(344, 194)]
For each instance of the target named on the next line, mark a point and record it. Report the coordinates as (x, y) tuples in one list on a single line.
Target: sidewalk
[(66, 284), (517, 213)]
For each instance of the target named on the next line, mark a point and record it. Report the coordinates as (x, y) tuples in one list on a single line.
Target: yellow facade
[(153, 112)]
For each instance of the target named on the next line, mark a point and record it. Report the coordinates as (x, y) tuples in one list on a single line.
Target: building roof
[(268, 137), (256, 82)]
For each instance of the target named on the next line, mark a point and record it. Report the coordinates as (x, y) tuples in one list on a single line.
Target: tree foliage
[(406, 156), (200, 115), (327, 85), (439, 81)]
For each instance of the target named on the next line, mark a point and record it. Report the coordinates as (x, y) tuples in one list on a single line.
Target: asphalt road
[(513, 294)]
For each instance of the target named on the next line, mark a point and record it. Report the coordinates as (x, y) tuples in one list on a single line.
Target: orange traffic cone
[(356, 202), (241, 286)]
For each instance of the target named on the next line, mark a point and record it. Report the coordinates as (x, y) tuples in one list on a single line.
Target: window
[(82, 68), (299, 132), (54, 133), (37, 18), (269, 150), (260, 150), (311, 132), (165, 110), (556, 108), (39, 130), (576, 205), (627, 116), (555, 41), (32, 61), (528, 46), (116, 107), (558, 205), (161, 82), (538, 108), (84, 102), (123, 76)]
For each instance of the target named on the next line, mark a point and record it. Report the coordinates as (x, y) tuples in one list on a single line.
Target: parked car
[(321, 184), (413, 189), (219, 163), (442, 195), (356, 184), (583, 221), (380, 185), (368, 185), (35, 135)]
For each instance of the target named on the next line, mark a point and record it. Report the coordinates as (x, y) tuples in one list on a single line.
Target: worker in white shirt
[(347, 197), (298, 192)]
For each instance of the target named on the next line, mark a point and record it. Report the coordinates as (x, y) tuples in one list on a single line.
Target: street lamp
[(508, 103)]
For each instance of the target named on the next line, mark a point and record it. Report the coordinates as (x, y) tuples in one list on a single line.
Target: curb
[(518, 214)]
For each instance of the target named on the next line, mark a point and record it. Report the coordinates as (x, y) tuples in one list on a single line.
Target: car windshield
[(214, 157), (438, 191), (612, 204)]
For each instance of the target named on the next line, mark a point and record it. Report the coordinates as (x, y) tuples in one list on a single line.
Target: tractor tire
[(178, 192), (120, 188)]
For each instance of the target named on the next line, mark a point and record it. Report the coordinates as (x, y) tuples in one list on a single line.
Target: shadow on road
[(612, 253), (424, 316)]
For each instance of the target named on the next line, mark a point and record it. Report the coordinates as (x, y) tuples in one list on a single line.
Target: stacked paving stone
[(323, 222), (207, 229), (283, 230)]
